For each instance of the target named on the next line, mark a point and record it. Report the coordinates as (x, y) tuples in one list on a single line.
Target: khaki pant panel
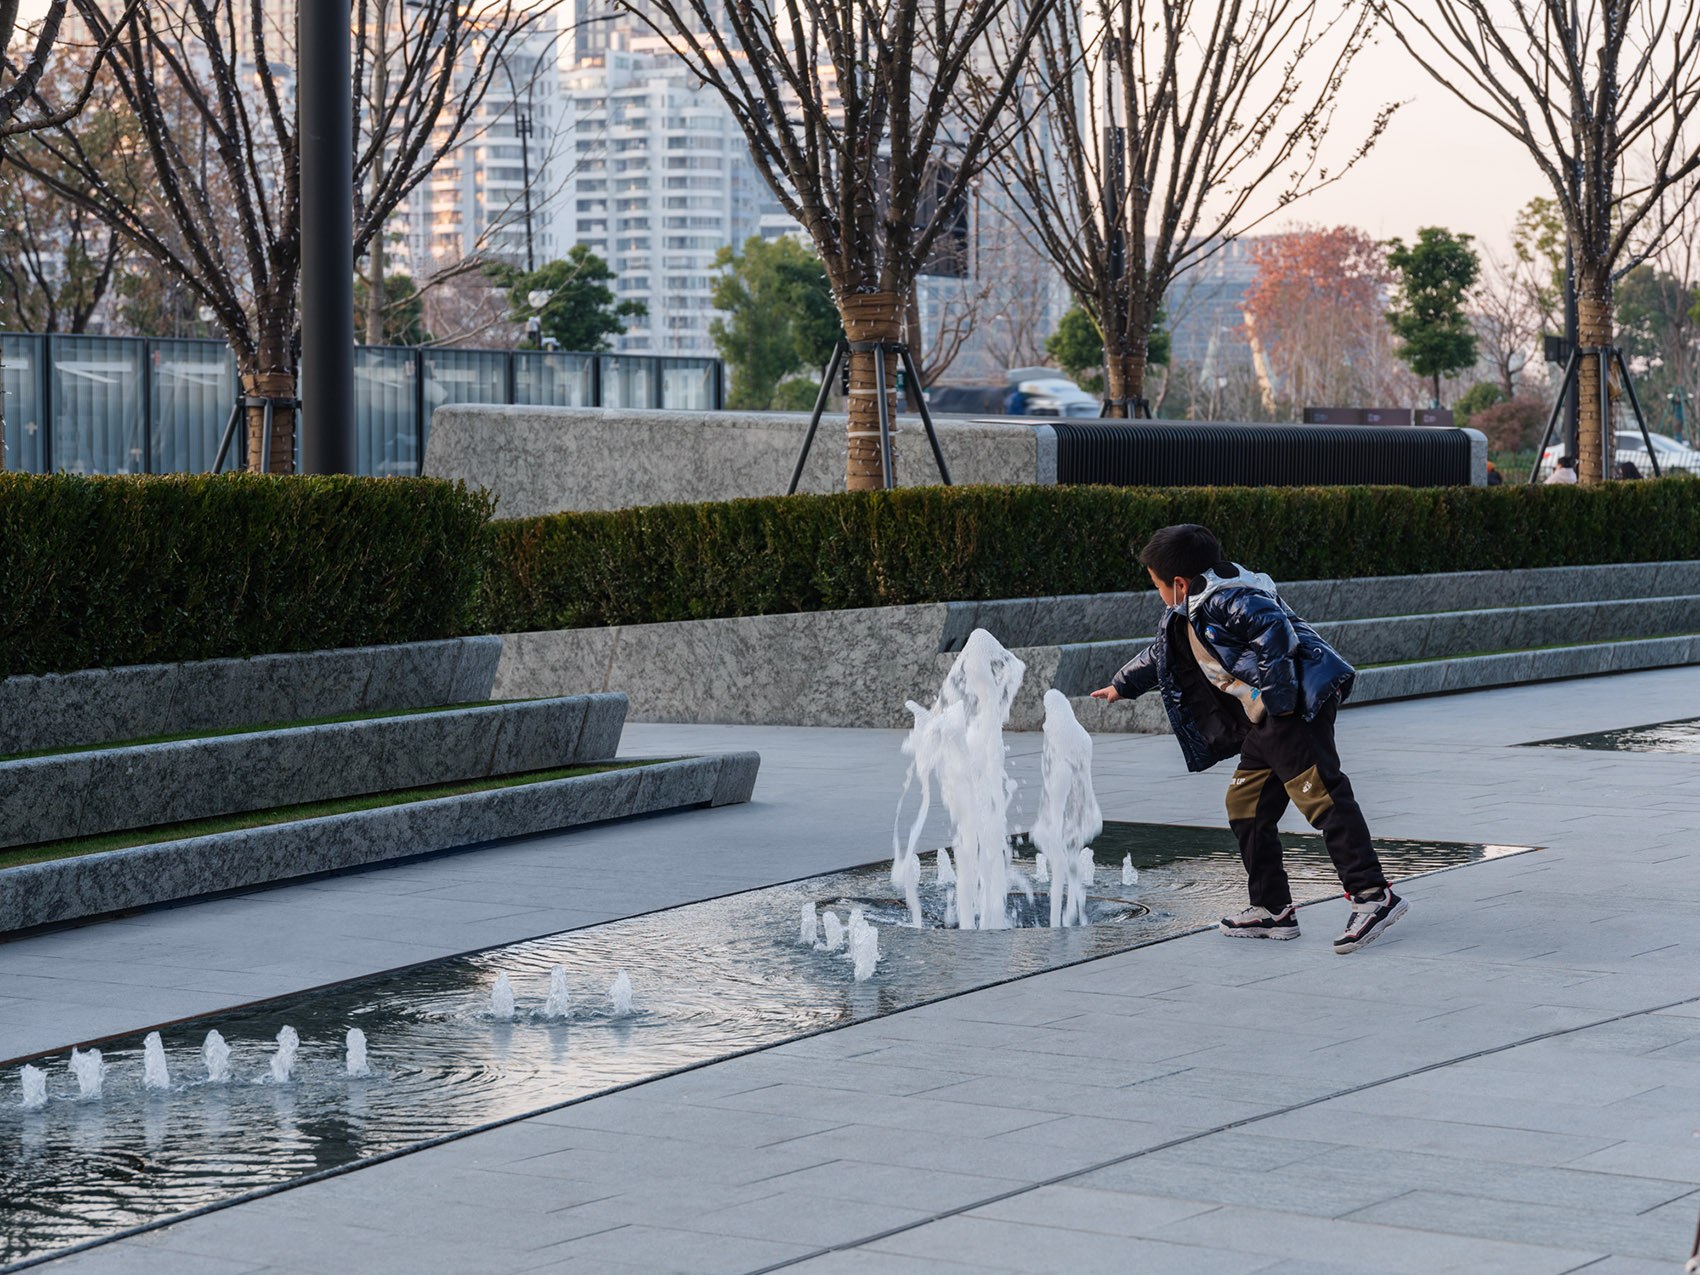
[(1310, 795), (1245, 789)]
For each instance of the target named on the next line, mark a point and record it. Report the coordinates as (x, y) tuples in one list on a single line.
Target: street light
[(522, 129)]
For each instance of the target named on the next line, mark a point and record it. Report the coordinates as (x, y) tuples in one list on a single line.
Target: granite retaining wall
[(105, 790), (119, 880), (66, 710)]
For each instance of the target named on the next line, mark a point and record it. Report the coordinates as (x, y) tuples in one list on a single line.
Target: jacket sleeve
[(1258, 623), (1138, 675)]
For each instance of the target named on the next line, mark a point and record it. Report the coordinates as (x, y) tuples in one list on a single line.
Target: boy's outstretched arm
[(1137, 676)]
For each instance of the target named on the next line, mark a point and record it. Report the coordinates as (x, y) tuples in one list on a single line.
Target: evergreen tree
[(780, 319), (581, 312), (1435, 275)]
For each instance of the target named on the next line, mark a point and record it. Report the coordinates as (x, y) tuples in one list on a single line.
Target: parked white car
[(1630, 447)]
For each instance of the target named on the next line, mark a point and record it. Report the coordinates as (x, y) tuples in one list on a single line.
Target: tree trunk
[(871, 316), (1124, 380), (279, 457), (1593, 331), (375, 293), (380, 95)]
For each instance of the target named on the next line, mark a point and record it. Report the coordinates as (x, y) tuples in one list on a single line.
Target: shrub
[(134, 570), (1481, 395), (934, 544), (1514, 425)]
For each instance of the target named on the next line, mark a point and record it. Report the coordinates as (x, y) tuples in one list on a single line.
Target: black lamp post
[(324, 106), (522, 129)]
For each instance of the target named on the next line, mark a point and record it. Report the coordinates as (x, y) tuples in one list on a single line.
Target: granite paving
[(1507, 1082)]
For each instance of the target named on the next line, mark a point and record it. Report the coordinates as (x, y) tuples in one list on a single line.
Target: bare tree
[(57, 262), (23, 67), (853, 113), (1508, 318), (207, 86), (1167, 127), (1585, 89)]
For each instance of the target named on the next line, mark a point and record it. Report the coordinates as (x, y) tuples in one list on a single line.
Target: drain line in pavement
[(1229, 1127)]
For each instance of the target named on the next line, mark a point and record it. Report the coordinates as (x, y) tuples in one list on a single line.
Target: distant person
[(1564, 471), (1627, 469), (1016, 402), (1493, 476), (1241, 673)]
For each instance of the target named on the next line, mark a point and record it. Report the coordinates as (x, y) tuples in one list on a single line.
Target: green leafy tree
[(404, 310), (1435, 276), (1078, 347), (1537, 240), (581, 312), (780, 319), (1656, 328), (1481, 395)]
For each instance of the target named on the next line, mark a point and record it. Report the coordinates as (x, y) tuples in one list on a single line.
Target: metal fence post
[(147, 405), (596, 380), (419, 409), (47, 403)]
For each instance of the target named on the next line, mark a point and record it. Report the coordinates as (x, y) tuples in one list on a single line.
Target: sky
[(1438, 164)]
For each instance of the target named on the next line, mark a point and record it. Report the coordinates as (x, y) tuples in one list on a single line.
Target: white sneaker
[(1261, 923), (1372, 912)]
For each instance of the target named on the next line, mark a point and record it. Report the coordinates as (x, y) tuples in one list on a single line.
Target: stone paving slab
[(1486, 1089)]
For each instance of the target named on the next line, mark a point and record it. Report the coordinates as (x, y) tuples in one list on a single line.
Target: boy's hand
[(1108, 694)]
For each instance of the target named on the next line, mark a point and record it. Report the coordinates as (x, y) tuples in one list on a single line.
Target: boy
[(1239, 672)]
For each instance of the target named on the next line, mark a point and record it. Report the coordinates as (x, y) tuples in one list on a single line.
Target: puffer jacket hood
[(1215, 581)]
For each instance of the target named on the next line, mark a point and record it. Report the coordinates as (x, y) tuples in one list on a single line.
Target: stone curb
[(83, 794), (1435, 677), (119, 880), (137, 701)]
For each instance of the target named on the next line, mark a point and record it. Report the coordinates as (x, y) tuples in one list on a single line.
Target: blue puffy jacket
[(1258, 638)]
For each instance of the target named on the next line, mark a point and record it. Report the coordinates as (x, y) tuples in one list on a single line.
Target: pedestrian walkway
[(1506, 1082)]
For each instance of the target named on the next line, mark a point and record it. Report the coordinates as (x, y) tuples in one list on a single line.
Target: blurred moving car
[(1629, 447), (1044, 391)]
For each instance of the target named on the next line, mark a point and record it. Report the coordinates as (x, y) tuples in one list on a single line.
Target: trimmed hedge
[(934, 544), (137, 570)]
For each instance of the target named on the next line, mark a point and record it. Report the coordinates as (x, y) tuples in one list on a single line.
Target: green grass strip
[(72, 847), (356, 716)]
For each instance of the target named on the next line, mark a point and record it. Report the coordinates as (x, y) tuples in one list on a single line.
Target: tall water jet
[(864, 945), (808, 926), (283, 1061), (1069, 816), (35, 1088), (620, 995), (502, 999), (957, 744), (1041, 867), (155, 1074), (355, 1057), (560, 1002), (216, 1054), (834, 931), (89, 1071)]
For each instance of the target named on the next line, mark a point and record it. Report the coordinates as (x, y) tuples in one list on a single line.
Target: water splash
[(864, 945), (89, 1071), (620, 995), (1130, 874), (283, 1061), (216, 1054), (834, 929), (945, 874), (155, 1074), (502, 999), (560, 1002), (1041, 867), (808, 926), (35, 1088), (355, 1057), (906, 876), (957, 745), (1069, 816)]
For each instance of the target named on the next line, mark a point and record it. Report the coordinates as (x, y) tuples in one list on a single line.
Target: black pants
[(1287, 759)]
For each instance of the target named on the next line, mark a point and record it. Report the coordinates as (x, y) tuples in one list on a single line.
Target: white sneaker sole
[(1375, 931), (1247, 932)]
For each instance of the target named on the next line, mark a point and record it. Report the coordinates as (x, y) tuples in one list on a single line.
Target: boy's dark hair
[(1184, 550)]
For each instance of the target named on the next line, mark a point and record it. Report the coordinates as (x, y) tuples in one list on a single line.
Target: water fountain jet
[(155, 1074), (355, 1057), (89, 1071), (560, 1002), (283, 1061), (216, 1054), (35, 1088)]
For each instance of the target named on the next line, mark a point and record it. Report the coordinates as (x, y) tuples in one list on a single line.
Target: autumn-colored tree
[(1315, 319)]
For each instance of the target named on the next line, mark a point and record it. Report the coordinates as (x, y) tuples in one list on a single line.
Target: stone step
[(1420, 678), (109, 790)]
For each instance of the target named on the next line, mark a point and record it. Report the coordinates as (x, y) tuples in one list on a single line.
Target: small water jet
[(560, 1002), (216, 1054), (355, 1057), (155, 1074), (1068, 816), (283, 1061), (834, 931), (864, 945), (944, 874), (1130, 874), (808, 927), (35, 1088), (89, 1071), (1041, 867), (620, 995), (502, 999)]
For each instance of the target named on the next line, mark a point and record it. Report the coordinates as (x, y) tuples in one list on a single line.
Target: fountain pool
[(706, 981), (1659, 737)]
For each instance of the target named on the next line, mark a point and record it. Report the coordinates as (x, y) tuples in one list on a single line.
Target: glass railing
[(133, 405)]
